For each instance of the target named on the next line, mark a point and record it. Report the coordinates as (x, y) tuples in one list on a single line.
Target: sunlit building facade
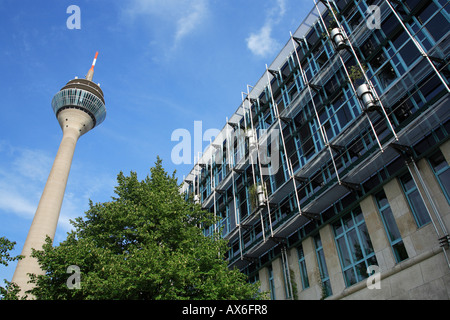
[(332, 178)]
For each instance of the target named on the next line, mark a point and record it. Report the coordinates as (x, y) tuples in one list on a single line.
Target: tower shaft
[(74, 123)]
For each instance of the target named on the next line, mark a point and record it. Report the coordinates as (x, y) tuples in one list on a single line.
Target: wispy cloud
[(262, 43), (32, 164), (181, 17), (187, 22), (12, 201), (23, 173)]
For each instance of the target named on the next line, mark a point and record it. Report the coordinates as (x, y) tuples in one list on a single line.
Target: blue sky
[(162, 65)]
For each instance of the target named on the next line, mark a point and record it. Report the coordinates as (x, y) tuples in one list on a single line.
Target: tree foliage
[(11, 290), (143, 244)]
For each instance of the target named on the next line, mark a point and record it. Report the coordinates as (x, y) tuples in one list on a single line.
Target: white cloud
[(182, 17), (23, 173), (194, 16), (33, 164), (11, 200), (262, 43)]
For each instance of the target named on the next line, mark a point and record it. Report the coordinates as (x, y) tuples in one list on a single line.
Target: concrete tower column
[(74, 123)]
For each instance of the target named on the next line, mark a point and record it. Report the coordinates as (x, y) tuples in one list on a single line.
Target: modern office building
[(79, 107), (332, 178)]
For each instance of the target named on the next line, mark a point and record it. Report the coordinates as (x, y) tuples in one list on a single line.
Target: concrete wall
[(424, 275)]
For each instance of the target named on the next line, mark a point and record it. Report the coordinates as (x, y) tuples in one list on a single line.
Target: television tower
[(79, 107)]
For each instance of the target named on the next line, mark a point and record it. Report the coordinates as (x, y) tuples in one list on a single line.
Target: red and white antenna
[(90, 73)]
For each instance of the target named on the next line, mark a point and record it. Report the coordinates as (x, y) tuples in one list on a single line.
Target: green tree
[(144, 244), (10, 291)]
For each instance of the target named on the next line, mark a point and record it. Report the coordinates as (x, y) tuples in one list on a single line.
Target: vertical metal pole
[(295, 189), (351, 84), (251, 162), (430, 200), (198, 175), (270, 217), (275, 109), (322, 130), (238, 224), (195, 179), (421, 195), (245, 129), (261, 181), (286, 270), (213, 190), (359, 64)]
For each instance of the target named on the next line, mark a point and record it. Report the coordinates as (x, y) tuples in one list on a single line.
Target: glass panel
[(348, 221), (365, 239), (354, 245), (435, 26), (361, 271), (305, 281), (438, 161), (391, 225), (386, 75), (445, 181), (338, 229), (344, 115), (419, 208), (345, 256), (382, 200), (400, 251), (350, 277)]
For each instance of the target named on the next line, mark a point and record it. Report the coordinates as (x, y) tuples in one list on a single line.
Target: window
[(403, 109), (322, 59), (431, 88), (306, 140), (344, 115), (391, 227), (411, 4), (312, 38), (415, 200), (441, 170), (386, 75), (434, 26), (302, 265), (271, 283), (355, 249), (324, 277), (409, 52), (332, 86), (389, 25), (369, 46)]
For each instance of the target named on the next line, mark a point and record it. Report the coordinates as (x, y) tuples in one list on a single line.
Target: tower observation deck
[(84, 95), (79, 107)]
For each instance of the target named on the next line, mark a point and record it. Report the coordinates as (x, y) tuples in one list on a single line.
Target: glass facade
[(354, 247), (323, 270), (302, 266), (415, 200), (391, 227), (321, 130)]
